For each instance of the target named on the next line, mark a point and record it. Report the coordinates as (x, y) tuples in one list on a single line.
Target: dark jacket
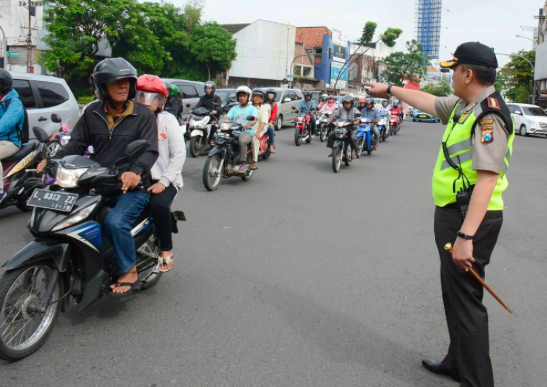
[(92, 129), (209, 101), (174, 106)]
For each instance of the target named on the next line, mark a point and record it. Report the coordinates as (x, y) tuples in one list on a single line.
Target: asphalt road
[(303, 277)]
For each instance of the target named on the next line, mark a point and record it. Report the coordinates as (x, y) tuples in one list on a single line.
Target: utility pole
[(31, 7)]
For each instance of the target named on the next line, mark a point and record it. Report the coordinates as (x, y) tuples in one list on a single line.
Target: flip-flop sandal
[(133, 288), (242, 169), (272, 151), (166, 261), (254, 167)]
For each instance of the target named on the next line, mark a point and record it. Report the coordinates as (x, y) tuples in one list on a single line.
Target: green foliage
[(368, 32), (390, 36), (213, 46), (518, 76), (441, 90), (410, 65)]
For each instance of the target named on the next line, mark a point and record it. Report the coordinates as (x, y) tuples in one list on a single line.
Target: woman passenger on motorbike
[(324, 101), (166, 172), (270, 100), (330, 106), (261, 124), (239, 114)]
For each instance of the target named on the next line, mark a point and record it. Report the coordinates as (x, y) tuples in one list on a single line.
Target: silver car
[(286, 99), (43, 96), (189, 91)]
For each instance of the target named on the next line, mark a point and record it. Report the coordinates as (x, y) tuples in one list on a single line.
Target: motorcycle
[(323, 128), (364, 136), (62, 138), (199, 128), (69, 258), (20, 178), (264, 148), (382, 127), (302, 130), (341, 150), (393, 124), (224, 159)]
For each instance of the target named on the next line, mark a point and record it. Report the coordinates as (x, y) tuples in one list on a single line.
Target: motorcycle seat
[(23, 152), (103, 212)]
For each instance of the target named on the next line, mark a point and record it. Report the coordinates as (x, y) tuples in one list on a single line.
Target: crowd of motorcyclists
[(131, 107)]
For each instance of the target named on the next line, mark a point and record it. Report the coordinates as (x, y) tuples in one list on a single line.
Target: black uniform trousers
[(466, 316)]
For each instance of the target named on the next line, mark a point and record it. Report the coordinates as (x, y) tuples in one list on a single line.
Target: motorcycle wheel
[(297, 138), (383, 135), (148, 268), (266, 155), (249, 174), (348, 158), (195, 146), (360, 147), (323, 134), (212, 172), (20, 298), (336, 159)]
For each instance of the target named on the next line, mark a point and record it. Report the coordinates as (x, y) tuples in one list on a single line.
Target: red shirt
[(273, 117), (396, 111)]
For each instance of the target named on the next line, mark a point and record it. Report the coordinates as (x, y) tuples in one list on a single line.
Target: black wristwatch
[(465, 236), (389, 86)]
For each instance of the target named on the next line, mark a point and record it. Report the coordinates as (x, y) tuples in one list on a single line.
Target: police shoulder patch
[(493, 103), (487, 130)]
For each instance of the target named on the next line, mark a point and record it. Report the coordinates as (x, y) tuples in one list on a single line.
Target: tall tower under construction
[(427, 26)]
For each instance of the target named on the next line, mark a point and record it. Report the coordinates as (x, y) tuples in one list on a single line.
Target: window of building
[(25, 93), (52, 94), (303, 70)]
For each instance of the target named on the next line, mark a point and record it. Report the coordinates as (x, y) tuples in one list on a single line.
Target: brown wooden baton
[(448, 247)]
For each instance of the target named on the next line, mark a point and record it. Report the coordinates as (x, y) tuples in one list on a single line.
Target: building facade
[(364, 64), (540, 72), (427, 26), (265, 51)]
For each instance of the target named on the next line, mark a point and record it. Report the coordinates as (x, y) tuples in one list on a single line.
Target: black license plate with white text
[(60, 201)]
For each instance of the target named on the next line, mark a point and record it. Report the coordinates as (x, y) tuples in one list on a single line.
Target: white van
[(43, 96), (529, 119)]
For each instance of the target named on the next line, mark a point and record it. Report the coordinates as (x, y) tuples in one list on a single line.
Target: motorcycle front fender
[(338, 143), (197, 132), (40, 249), (216, 150)]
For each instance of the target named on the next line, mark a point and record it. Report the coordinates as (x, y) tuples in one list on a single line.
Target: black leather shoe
[(435, 367)]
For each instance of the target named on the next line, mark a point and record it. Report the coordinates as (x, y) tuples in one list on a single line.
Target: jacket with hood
[(109, 146), (209, 101), (12, 118)]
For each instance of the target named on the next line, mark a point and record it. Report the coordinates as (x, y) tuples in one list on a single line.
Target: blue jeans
[(118, 224), (271, 135)]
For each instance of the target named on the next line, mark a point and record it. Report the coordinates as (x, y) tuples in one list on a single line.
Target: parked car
[(420, 116), (529, 119), (43, 96), (189, 91), (226, 96), (286, 99)]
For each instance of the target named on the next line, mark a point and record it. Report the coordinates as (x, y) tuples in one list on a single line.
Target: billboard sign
[(334, 72), (340, 46)]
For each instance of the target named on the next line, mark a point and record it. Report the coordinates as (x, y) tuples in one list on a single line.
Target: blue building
[(427, 26)]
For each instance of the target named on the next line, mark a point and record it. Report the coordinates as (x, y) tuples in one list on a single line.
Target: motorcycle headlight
[(225, 126), (68, 178), (65, 140), (197, 123), (80, 215), (341, 124)]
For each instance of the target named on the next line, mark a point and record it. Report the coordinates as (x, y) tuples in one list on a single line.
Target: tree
[(76, 28), (518, 76), (441, 90), (213, 46), (401, 66)]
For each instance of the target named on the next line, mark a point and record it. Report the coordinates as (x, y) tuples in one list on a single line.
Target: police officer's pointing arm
[(418, 99)]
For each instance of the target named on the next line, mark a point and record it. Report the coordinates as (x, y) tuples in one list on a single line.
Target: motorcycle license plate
[(422, 116), (60, 201)]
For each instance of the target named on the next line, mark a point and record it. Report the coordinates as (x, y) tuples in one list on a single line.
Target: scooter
[(382, 127), (20, 177), (323, 127), (70, 260), (224, 159), (302, 130), (364, 136), (199, 128), (394, 122), (341, 150), (264, 148)]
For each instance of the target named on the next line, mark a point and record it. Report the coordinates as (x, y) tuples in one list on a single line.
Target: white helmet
[(244, 89)]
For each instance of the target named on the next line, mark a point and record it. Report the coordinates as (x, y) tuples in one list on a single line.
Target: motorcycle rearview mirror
[(133, 149), (40, 134), (251, 118), (357, 115), (56, 118)]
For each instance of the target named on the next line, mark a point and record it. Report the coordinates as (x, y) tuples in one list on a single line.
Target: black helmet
[(307, 94), (6, 81), (210, 84), (112, 69), (369, 101), (271, 91), (169, 89), (348, 98)]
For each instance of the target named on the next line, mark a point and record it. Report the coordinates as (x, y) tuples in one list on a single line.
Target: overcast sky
[(492, 22)]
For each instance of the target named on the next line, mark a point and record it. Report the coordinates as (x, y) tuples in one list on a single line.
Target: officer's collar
[(479, 98)]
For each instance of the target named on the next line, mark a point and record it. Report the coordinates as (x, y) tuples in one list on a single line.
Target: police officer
[(468, 182)]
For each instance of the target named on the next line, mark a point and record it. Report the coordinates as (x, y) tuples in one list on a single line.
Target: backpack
[(24, 136)]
